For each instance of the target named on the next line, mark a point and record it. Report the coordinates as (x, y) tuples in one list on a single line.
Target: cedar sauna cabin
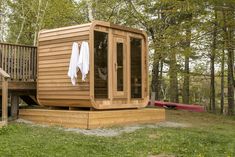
[(118, 71)]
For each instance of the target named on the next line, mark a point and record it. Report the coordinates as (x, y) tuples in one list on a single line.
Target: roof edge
[(116, 26), (93, 23)]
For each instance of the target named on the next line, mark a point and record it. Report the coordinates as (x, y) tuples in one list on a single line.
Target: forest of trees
[(191, 43)]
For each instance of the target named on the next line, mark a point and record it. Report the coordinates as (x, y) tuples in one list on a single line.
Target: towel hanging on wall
[(73, 66), (83, 62)]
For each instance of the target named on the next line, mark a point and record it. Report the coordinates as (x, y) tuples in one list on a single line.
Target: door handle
[(116, 66)]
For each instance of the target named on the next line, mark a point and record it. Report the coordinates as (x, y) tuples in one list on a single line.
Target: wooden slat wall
[(19, 61), (92, 119), (54, 50)]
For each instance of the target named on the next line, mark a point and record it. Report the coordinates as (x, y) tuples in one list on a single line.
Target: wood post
[(14, 106), (5, 77), (4, 100)]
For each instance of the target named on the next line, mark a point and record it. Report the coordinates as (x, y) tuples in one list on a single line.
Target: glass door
[(119, 67)]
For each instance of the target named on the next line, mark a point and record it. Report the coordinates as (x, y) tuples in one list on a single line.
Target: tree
[(186, 64), (222, 81), (3, 20), (27, 17), (212, 64), (228, 32), (173, 90)]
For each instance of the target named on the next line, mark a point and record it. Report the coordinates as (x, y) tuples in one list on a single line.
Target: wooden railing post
[(5, 77)]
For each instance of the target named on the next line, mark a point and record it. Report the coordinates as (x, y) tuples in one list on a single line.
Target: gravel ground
[(110, 132)]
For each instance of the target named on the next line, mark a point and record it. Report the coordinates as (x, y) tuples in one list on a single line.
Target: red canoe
[(178, 106)]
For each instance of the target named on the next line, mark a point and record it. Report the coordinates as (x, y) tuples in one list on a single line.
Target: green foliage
[(63, 13), (29, 16)]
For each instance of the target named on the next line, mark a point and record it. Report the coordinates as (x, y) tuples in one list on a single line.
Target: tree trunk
[(186, 81), (228, 44), (39, 21), (21, 30), (155, 70), (3, 17), (230, 83), (222, 82), (212, 59), (155, 77), (160, 80), (90, 10), (186, 64), (173, 91)]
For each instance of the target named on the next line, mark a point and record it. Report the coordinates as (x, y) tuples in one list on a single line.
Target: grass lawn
[(206, 135)]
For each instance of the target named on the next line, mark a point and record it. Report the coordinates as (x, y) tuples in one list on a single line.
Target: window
[(136, 71), (100, 64), (119, 66)]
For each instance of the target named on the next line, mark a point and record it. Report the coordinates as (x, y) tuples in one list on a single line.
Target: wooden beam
[(10, 44), (21, 85)]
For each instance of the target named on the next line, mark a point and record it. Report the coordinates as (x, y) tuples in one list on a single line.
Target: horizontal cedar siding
[(66, 32), (62, 42), (64, 102), (54, 52)]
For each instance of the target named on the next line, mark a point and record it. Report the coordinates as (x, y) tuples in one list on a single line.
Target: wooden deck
[(92, 119), (19, 61)]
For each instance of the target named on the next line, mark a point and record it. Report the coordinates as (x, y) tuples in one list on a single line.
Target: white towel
[(83, 62), (73, 66)]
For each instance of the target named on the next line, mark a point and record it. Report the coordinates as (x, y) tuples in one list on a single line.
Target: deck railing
[(19, 61)]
